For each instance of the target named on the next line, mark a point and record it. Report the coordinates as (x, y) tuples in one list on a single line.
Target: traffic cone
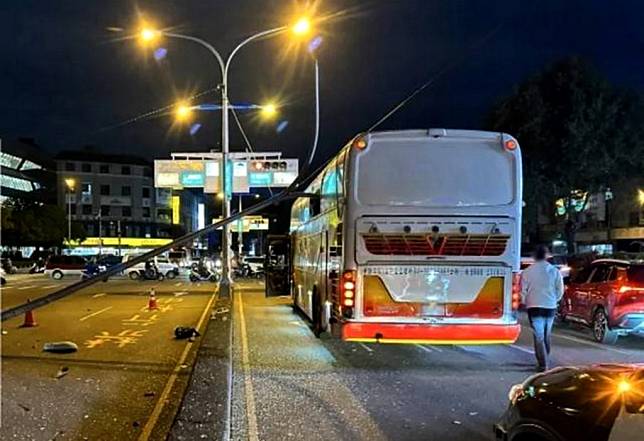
[(152, 301), (30, 320)]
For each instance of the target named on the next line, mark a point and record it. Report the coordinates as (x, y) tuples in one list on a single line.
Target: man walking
[(541, 288)]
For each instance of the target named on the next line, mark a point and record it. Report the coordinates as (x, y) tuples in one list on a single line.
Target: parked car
[(59, 266), (594, 403), (607, 296), (164, 265)]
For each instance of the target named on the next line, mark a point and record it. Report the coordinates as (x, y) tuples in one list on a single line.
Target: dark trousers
[(541, 320)]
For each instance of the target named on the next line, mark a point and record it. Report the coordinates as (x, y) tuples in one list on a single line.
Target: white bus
[(412, 237)]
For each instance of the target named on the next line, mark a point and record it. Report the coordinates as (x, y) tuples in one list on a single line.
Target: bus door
[(277, 268)]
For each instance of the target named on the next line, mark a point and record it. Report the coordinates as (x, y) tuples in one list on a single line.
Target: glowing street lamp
[(70, 183), (269, 110), (183, 112), (301, 27), (148, 35), (640, 196)]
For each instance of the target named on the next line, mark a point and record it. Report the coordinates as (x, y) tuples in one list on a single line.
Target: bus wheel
[(318, 326)]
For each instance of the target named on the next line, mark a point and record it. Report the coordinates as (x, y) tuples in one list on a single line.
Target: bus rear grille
[(436, 245)]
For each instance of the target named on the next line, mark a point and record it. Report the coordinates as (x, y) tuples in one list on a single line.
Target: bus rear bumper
[(451, 334)]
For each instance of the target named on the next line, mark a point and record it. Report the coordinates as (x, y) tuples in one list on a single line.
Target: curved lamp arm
[(220, 60), (244, 43)]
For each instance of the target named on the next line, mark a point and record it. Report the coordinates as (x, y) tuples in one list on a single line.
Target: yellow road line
[(163, 398), (82, 319), (251, 415), (100, 294)]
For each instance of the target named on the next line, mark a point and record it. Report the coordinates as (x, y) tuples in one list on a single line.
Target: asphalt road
[(289, 385), (127, 378)]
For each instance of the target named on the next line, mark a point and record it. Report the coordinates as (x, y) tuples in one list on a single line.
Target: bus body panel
[(402, 248)]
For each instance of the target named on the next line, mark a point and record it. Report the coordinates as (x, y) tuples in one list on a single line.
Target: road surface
[(290, 385), (126, 380)]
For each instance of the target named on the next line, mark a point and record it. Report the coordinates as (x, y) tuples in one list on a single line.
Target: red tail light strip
[(436, 245)]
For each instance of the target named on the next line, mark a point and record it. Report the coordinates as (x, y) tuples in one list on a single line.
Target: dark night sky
[(64, 79)]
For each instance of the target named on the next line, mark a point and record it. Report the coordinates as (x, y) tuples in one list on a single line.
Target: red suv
[(608, 296)]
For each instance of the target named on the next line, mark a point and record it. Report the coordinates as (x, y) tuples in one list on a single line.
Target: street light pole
[(240, 231), (226, 280), (70, 184), (300, 28)]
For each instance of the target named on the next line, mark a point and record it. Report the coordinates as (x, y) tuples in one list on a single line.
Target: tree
[(577, 133), (32, 223), (79, 234)]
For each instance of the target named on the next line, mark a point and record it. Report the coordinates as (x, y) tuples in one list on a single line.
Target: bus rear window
[(443, 173)]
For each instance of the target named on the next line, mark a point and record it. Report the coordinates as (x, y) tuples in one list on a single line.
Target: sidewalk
[(205, 410)]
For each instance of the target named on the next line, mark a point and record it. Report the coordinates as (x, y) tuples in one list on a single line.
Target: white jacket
[(541, 285)]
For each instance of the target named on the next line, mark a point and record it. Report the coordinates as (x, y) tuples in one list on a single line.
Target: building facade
[(26, 171), (113, 195)]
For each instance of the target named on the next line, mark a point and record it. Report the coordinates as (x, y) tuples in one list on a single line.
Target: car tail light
[(516, 290), (348, 292)]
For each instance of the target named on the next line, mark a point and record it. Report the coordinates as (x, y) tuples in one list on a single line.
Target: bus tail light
[(348, 292), (516, 290), (359, 143), (510, 145)]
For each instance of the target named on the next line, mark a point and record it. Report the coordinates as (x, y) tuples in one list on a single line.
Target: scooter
[(151, 273), (203, 275), (37, 268)]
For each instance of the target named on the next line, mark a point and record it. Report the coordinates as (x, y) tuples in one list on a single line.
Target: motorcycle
[(150, 273), (92, 270), (38, 267), (203, 275)]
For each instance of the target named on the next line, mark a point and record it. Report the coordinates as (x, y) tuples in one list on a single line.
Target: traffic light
[(269, 165)]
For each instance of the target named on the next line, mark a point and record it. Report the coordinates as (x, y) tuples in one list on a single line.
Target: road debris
[(60, 347), (473, 413), (183, 332), (148, 394), (64, 370), (23, 407), (457, 422)]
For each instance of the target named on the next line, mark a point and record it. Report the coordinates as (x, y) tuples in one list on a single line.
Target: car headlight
[(515, 393)]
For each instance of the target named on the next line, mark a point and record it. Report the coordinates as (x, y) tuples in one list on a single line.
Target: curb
[(205, 410)]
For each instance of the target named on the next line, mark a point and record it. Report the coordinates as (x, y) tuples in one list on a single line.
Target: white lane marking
[(163, 398), (436, 348), (366, 348), (424, 348), (248, 381), (82, 319), (26, 287), (177, 284), (590, 343), (522, 349), (180, 293), (48, 286), (100, 294)]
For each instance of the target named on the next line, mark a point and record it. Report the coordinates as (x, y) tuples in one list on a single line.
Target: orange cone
[(30, 321), (152, 301)]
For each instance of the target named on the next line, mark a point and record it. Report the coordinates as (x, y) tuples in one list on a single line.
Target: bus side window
[(314, 206), (335, 250)]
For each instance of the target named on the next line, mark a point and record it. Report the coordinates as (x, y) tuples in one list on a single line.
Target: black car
[(592, 403)]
